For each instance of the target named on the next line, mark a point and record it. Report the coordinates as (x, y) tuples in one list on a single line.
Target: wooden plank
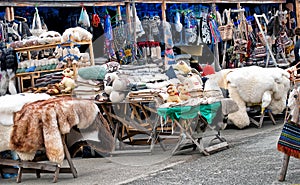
[(297, 4), (36, 72), (47, 46), (217, 147), (66, 3), (130, 151), (210, 1), (40, 166)]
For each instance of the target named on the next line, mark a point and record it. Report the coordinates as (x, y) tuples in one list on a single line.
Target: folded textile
[(87, 88), (86, 96), (88, 82), (92, 72)]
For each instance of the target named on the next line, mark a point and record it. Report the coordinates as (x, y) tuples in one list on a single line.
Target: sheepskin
[(40, 125), (76, 34), (252, 85), (13, 103), (5, 136)]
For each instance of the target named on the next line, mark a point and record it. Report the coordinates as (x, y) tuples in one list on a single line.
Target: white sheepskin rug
[(268, 86), (13, 103)]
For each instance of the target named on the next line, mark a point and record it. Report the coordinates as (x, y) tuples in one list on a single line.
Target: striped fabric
[(289, 141)]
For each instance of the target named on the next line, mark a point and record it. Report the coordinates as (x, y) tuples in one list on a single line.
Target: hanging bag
[(95, 19), (226, 31), (289, 140), (37, 27), (84, 18)]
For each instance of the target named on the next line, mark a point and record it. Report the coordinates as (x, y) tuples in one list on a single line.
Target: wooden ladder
[(270, 53)]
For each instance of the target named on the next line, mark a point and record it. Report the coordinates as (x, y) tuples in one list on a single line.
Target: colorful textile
[(289, 141), (208, 111)]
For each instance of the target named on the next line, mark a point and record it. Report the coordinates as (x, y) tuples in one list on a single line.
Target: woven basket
[(226, 32)]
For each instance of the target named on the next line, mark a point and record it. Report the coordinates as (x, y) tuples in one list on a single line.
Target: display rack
[(50, 46), (32, 76)]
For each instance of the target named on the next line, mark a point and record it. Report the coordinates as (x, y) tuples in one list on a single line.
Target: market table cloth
[(208, 111)]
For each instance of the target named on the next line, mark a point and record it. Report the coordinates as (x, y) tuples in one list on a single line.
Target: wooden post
[(134, 21), (285, 163), (297, 12), (128, 18), (216, 46), (164, 20), (119, 12)]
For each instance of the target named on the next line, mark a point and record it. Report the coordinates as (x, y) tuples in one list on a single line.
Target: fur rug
[(40, 124), (268, 86), (13, 103)]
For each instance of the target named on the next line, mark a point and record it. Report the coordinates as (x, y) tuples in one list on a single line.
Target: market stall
[(159, 75)]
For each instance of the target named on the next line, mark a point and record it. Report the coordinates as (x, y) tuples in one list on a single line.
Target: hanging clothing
[(108, 37), (205, 30)]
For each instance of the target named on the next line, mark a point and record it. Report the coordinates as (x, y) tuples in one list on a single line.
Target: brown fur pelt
[(40, 124)]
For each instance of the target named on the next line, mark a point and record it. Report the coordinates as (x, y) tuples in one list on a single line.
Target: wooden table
[(192, 125), (129, 119)]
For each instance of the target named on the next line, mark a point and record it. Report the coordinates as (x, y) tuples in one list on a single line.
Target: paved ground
[(251, 159)]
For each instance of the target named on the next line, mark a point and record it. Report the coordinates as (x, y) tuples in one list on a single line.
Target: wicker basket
[(226, 32)]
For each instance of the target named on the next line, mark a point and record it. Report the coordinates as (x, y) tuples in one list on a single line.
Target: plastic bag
[(84, 18), (37, 28)]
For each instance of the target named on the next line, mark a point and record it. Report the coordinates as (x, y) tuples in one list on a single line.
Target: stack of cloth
[(145, 95), (51, 78), (88, 89)]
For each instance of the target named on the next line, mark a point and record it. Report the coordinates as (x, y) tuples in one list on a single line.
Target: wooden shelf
[(49, 46), (32, 76), (37, 72)]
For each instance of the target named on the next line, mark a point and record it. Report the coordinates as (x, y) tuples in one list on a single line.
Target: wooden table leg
[(261, 120), (285, 163), (72, 167), (38, 173), (19, 177), (200, 146), (272, 117), (177, 145), (56, 174)]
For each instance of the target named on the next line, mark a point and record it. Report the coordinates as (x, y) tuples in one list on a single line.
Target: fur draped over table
[(255, 85), (39, 125)]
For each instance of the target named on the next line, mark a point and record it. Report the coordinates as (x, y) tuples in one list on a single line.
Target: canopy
[(61, 3)]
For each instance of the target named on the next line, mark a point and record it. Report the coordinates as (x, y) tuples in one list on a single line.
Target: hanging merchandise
[(204, 30), (95, 19), (191, 29), (84, 19), (168, 35), (153, 51), (260, 50), (169, 58), (226, 31), (37, 28), (216, 37), (178, 25), (138, 24), (285, 40), (108, 37), (158, 50)]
